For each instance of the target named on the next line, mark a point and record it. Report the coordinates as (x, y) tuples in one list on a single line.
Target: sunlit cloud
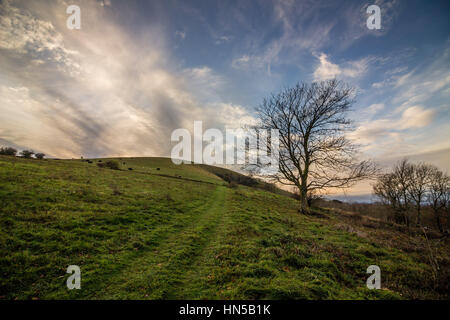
[(326, 69), (388, 136), (108, 97)]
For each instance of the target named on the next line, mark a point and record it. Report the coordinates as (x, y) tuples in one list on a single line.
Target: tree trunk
[(438, 221), (418, 215), (399, 217), (304, 206), (405, 214)]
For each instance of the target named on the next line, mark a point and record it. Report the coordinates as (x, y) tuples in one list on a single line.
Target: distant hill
[(363, 198), (156, 230)]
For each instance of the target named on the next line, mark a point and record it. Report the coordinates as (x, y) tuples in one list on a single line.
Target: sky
[(137, 70)]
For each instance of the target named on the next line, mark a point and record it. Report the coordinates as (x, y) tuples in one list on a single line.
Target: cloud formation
[(387, 136), (72, 93), (137, 71), (326, 70)]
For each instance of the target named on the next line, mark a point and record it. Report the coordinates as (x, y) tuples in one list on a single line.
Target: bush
[(8, 151), (110, 164), (237, 178), (40, 156), (26, 154)]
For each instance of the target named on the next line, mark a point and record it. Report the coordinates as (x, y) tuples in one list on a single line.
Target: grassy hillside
[(182, 232)]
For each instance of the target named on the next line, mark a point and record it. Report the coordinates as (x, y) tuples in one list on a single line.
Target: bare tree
[(314, 153), (409, 183), (411, 186), (393, 190), (403, 172), (418, 186), (438, 194), (388, 189)]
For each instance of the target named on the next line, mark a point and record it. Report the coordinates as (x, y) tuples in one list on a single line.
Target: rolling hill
[(162, 231)]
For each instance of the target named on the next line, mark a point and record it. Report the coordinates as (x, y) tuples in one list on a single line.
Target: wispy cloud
[(223, 39), (419, 85), (180, 34), (310, 27)]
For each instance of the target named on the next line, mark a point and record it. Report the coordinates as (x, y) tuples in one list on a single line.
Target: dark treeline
[(28, 154)]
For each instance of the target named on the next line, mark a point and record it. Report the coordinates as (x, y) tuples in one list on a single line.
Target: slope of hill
[(162, 231)]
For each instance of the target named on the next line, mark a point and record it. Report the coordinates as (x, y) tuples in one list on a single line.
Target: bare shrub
[(110, 164)]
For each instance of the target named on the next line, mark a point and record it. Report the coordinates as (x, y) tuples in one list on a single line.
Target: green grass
[(178, 233)]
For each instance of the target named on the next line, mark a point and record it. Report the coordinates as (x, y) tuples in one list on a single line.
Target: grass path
[(195, 282), (159, 273)]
